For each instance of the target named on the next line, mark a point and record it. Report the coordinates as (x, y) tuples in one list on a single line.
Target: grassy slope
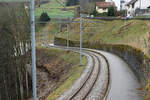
[(135, 33), (74, 72), (54, 13)]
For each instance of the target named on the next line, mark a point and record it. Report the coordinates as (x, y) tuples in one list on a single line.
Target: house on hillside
[(138, 7), (131, 8), (102, 7)]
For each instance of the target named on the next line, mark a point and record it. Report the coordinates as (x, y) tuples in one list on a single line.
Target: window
[(104, 8)]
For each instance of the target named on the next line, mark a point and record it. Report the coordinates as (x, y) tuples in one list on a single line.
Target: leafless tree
[(15, 45)]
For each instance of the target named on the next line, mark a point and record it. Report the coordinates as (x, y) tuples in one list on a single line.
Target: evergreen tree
[(44, 17), (111, 11)]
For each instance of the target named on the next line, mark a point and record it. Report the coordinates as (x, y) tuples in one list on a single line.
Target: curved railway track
[(87, 86), (94, 81)]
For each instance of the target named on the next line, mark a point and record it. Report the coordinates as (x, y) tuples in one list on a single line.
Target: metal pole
[(68, 35), (125, 21), (80, 39), (33, 49), (54, 37), (47, 36), (39, 37)]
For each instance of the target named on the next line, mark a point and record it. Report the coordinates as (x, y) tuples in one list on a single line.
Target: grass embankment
[(63, 68), (54, 10), (132, 32)]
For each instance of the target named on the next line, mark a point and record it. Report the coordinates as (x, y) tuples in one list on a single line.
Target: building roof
[(105, 4), (131, 2)]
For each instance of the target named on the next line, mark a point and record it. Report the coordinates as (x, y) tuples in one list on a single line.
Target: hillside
[(133, 32)]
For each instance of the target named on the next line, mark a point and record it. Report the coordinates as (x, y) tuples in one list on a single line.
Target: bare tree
[(15, 45)]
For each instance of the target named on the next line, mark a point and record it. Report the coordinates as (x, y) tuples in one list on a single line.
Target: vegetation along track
[(94, 81)]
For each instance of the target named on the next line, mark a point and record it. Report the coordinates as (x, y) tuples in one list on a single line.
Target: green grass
[(54, 10), (148, 16)]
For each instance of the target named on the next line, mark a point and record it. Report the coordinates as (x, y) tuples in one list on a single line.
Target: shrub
[(111, 11), (44, 17)]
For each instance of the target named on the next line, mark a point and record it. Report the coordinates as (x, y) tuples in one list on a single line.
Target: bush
[(44, 17)]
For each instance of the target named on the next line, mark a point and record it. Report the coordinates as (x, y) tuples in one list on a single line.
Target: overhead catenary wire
[(80, 39)]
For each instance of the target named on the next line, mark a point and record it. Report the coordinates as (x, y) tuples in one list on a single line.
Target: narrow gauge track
[(87, 86), (94, 81)]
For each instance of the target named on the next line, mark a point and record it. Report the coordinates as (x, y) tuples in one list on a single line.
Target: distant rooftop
[(105, 4)]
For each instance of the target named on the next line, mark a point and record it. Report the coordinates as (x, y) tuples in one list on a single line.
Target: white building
[(122, 4), (102, 7), (133, 5)]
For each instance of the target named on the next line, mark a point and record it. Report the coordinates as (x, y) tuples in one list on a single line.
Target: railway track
[(87, 86), (94, 81)]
